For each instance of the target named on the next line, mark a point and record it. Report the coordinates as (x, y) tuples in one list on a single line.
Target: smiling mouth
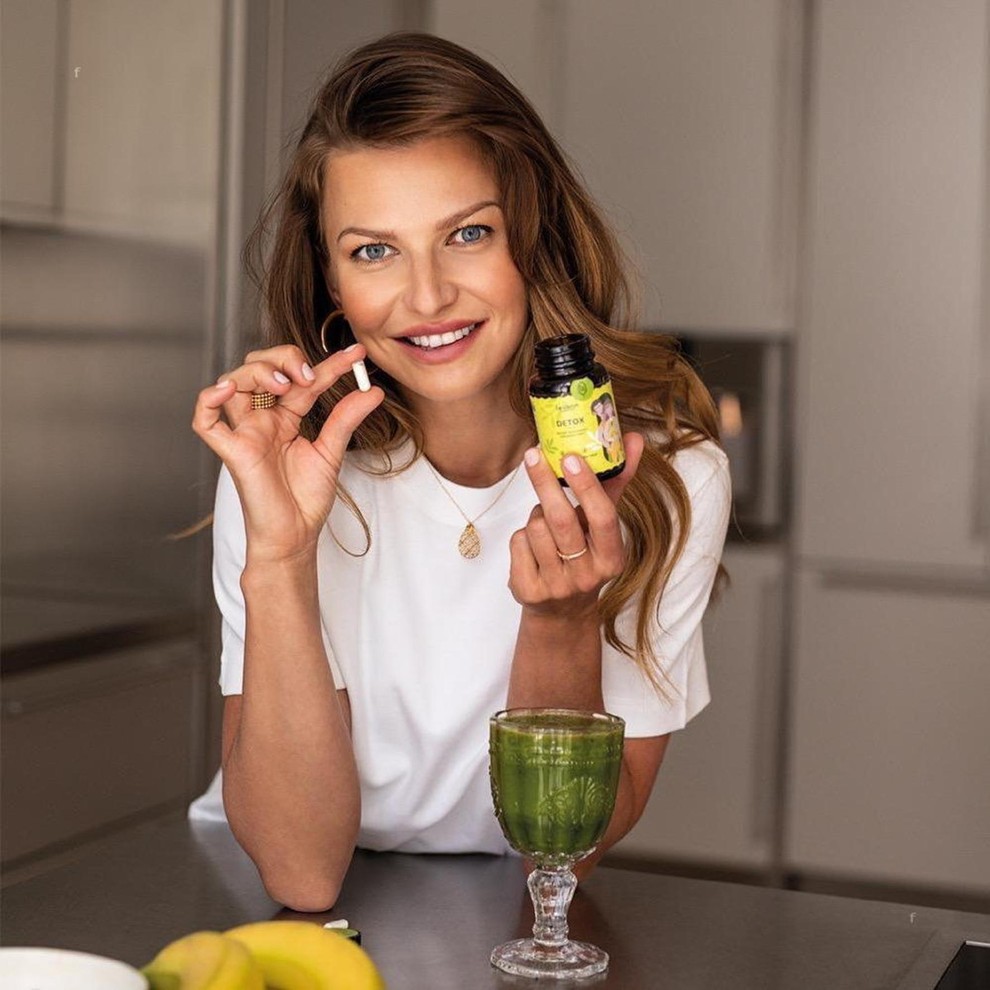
[(433, 341)]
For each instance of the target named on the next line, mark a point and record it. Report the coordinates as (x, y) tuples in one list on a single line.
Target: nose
[(430, 289)]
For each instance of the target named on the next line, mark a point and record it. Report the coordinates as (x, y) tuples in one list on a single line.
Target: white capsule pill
[(361, 374)]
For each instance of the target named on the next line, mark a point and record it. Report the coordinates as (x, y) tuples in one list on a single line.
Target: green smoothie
[(554, 775)]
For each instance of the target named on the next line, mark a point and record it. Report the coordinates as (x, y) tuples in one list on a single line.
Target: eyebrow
[(452, 220)]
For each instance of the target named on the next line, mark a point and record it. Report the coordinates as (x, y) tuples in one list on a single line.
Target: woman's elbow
[(311, 894), (308, 883)]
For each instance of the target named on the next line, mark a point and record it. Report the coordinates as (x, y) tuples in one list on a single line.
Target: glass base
[(568, 961)]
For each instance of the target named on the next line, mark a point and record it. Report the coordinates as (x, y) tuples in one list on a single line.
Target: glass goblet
[(554, 775)]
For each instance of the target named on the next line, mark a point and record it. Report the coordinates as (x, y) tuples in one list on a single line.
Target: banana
[(204, 961), (300, 955)]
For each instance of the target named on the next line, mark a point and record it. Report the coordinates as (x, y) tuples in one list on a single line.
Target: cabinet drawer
[(891, 736), (83, 748)]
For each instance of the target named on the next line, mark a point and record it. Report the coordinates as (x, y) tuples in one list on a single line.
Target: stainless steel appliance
[(748, 380)]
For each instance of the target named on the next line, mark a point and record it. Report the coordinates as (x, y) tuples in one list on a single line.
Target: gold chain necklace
[(469, 544)]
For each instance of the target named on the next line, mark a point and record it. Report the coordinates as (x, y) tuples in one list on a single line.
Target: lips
[(442, 337)]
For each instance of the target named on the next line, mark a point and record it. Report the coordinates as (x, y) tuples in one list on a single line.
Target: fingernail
[(571, 464), (532, 456), (350, 348), (308, 373), (223, 383), (280, 378)]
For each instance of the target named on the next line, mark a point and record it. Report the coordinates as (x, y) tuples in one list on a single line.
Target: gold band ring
[(263, 400), (573, 556)]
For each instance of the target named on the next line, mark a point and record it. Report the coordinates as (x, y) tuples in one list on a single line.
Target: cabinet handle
[(767, 711), (871, 580), (772, 461), (791, 93), (981, 482)]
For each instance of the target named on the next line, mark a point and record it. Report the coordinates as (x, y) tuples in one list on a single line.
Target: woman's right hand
[(286, 484)]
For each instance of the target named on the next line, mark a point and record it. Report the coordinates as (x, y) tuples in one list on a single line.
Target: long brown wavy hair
[(409, 86)]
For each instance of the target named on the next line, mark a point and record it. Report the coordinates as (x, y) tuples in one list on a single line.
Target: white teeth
[(441, 339)]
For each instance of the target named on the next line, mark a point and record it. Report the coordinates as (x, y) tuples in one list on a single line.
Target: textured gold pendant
[(470, 543)]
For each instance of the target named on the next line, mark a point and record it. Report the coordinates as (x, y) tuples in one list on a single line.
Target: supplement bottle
[(574, 407)]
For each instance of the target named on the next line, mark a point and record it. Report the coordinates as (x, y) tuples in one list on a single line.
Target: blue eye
[(472, 234), (371, 252)]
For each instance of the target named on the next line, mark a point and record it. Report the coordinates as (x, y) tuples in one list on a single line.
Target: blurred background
[(802, 187)]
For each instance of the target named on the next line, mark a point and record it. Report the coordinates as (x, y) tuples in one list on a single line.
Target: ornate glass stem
[(551, 891)]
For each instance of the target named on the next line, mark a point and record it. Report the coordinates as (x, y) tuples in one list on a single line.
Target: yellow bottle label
[(584, 422)]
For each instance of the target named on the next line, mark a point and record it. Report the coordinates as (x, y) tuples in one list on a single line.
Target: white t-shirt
[(423, 639)]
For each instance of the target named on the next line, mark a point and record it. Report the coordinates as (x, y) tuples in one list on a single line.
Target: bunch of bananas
[(266, 955)]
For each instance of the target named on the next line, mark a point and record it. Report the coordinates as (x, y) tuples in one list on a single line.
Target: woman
[(429, 223)]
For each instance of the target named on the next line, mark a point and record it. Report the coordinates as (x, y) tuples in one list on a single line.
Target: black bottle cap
[(568, 355)]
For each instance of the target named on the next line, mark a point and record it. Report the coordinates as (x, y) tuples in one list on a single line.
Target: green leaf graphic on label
[(582, 388)]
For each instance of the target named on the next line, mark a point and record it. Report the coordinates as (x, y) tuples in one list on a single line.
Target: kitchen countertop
[(430, 921)]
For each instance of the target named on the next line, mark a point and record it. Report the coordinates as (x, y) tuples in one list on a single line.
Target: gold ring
[(263, 400), (573, 556)]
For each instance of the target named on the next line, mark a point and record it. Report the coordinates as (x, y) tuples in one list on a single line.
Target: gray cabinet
[(106, 129), (111, 143), (714, 798), (29, 83), (892, 445), (684, 117), (89, 746), (891, 742)]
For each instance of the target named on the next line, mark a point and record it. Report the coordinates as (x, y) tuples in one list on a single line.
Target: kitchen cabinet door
[(891, 464), (29, 81), (142, 118), (890, 758), (684, 117), (111, 112), (90, 745), (713, 801)]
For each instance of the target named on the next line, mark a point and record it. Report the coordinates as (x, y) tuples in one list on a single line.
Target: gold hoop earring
[(344, 333)]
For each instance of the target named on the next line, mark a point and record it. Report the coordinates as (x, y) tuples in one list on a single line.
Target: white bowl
[(62, 969)]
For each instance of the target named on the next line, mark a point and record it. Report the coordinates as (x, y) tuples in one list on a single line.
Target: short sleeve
[(229, 555), (677, 638)]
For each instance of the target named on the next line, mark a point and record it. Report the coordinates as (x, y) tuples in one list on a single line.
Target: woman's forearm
[(558, 661), (290, 782), (640, 762)]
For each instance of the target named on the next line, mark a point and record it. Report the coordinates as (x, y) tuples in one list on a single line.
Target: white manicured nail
[(280, 378), (308, 373), (339, 923), (361, 374)]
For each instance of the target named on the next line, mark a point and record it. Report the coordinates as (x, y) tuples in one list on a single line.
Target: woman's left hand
[(539, 577)]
